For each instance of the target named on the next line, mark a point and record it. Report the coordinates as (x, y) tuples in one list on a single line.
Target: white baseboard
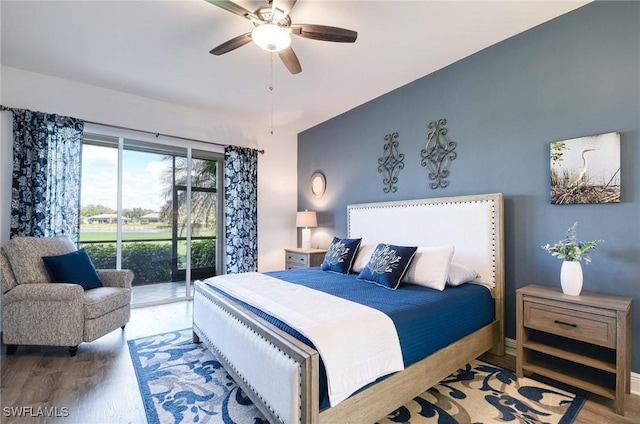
[(510, 349), (510, 346)]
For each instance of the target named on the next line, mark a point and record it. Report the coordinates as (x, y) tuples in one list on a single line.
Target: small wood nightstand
[(303, 258), (583, 341)]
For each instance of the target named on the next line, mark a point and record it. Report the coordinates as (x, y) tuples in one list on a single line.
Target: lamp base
[(306, 238)]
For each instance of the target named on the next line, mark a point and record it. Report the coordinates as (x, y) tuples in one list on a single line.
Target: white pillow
[(430, 267), (459, 274), (362, 257)]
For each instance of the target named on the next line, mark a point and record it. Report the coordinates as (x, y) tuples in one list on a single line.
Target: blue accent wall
[(574, 76)]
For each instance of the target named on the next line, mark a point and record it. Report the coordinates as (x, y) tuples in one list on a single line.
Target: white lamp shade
[(270, 37), (306, 219)]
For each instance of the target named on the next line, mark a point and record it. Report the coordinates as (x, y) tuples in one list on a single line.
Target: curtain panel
[(241, 209), (47, 156)]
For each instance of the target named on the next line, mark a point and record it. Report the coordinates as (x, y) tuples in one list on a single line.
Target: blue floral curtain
[(45, 195), (241, 209)]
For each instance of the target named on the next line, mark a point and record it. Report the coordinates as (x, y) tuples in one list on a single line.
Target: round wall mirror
[(317, 184)]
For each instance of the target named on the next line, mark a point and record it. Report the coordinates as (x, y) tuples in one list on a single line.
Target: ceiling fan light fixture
[(270, 37)]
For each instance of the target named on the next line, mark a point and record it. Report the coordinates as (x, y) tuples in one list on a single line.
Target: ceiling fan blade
[(232, 44), (284, 6), (290, 60), (230, 6), (324, 33)]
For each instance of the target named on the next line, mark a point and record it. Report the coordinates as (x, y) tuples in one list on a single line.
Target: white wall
[(277, 168), (5, 177)]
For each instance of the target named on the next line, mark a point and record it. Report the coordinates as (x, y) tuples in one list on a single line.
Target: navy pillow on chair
[(387, 265), (75, 267), (340, 255)]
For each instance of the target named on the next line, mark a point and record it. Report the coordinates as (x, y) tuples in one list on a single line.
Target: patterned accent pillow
[(387, 265), (75, 267), (340, 255)]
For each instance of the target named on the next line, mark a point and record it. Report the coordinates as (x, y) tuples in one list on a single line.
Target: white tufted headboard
[(473, 224)]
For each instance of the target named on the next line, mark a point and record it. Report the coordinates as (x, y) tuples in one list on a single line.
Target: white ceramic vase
[(571, 277)]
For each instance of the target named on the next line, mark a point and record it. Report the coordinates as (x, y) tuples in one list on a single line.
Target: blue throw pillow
[(340, 255), (387, 265), (75, 267)]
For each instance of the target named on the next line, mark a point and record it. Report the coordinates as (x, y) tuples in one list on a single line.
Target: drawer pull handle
[(565, 323)]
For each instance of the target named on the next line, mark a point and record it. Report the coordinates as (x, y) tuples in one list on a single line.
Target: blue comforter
[(426, 320)]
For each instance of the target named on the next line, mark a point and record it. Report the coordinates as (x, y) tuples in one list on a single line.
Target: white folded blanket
[(358, 344)]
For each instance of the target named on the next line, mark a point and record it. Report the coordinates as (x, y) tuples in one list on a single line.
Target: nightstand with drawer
[(583, 341), (303, 258)]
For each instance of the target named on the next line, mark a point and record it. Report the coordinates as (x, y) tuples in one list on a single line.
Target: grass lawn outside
[(109, 235)]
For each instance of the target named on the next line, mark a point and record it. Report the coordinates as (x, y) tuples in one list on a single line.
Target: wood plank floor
[(98, 386), (159, 292)]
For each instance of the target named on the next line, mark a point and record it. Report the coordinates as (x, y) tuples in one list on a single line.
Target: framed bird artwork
[(585, 169)]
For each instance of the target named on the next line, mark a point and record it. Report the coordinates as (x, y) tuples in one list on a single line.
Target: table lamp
[(306, 220)]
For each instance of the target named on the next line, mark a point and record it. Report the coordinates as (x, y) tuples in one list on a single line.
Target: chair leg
[(11, 349), (73, 350)]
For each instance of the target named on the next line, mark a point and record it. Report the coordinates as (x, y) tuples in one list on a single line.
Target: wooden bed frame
[(280, 373)]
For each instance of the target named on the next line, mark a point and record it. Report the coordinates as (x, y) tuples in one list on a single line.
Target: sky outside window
[(143, 174)]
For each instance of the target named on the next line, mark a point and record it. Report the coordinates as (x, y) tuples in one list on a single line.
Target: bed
[(281, 374)]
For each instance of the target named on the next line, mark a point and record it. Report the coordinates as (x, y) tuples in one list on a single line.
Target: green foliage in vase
[(570, 249)]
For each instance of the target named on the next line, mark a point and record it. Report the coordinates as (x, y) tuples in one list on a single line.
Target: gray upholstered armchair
[(36, 311)]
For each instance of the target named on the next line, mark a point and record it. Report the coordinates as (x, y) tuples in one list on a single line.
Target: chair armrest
[(116, 278), (61, 292)]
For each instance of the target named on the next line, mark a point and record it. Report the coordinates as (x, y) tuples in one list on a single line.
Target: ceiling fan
[(273, 29)]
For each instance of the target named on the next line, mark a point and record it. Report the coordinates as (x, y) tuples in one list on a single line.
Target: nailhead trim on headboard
[(419, 203)]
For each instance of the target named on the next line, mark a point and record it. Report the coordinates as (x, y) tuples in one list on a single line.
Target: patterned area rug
[(182, 382)]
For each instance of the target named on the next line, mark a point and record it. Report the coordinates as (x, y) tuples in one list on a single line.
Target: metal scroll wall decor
[(390, 163), (438, 154)]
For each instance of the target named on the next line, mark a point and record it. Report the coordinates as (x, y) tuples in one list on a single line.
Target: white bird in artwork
[(579, 174)]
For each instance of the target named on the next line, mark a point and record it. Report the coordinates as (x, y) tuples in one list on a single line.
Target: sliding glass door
[(151, 208), (203, 218)]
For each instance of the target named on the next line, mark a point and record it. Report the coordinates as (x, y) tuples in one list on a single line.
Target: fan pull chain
[(271, 88)]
